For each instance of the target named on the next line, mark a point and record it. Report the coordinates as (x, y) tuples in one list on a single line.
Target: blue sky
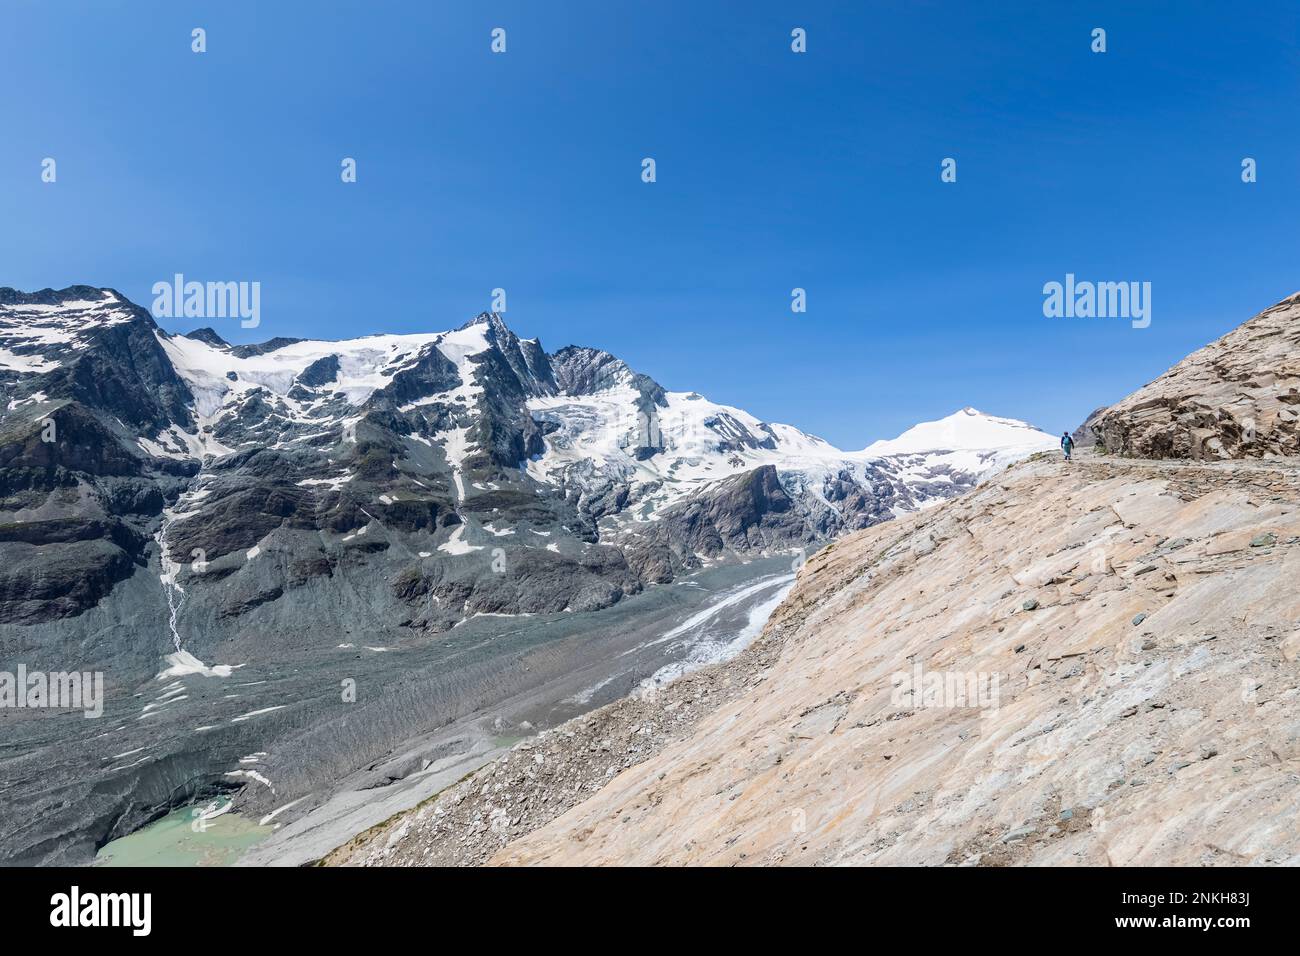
[(775, 170)]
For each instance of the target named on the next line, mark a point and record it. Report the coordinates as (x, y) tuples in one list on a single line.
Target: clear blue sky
[(775, 170)]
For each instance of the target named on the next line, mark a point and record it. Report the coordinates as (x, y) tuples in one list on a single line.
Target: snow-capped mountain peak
[(965, 430)]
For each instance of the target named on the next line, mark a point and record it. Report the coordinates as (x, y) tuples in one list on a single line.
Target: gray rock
[(1019, 834)]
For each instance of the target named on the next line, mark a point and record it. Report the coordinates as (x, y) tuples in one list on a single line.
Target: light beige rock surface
[(1238, 397), (1172, 741)]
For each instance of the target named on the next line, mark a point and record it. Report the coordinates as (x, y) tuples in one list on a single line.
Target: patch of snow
[(256, 713), (332, 483), (456, 543), (252, 775), (279, 810), (183, 663)]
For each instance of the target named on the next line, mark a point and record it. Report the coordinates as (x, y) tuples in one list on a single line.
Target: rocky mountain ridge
[(463, 444)]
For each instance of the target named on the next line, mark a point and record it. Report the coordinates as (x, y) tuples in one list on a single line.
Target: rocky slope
[(1140, 624), (1238, 397)]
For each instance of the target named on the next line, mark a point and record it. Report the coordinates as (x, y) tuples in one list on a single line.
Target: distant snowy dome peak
[(965, 430)]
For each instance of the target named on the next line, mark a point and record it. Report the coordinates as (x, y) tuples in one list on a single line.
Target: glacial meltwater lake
[(182, 839)]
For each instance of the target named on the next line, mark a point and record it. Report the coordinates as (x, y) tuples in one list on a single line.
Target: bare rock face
[(744, 513), (1238, 397), (1085, 436)]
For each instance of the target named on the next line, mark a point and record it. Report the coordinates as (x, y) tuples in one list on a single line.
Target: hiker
[(1067, 444)]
